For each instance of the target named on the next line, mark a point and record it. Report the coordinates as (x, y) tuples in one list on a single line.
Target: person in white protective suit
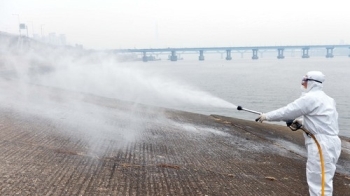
[(319, 116)]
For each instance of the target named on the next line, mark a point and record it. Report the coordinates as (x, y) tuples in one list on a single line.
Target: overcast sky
[(108, 24)]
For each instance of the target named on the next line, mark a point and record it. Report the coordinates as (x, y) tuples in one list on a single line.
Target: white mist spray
[(106, 77), (28, 78)]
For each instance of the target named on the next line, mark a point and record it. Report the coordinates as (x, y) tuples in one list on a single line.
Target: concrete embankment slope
[(100, 146)]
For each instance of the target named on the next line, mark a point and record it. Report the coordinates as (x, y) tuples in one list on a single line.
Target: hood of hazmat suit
[(315, 80)]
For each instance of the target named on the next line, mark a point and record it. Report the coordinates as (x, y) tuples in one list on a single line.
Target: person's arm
[(294, 110)]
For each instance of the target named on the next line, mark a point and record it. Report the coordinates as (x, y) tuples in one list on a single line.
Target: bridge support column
[(144, 58), (280, 53), (305, 53), (201, 56), (329, 52), (261, 54), (292, 53), (173, 56), (255, 54), (228, 55)]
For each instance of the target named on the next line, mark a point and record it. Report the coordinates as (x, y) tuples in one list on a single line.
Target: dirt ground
[(109, 147)]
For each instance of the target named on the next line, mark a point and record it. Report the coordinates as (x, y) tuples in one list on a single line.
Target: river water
[(262, 85), (213, 86)]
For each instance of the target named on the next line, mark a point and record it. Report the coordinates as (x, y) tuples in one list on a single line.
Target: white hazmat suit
[(320, 117)]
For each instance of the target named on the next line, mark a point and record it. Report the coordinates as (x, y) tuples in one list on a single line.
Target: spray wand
[(248, 110)]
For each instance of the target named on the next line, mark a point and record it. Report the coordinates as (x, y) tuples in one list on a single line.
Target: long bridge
[(228, 50)]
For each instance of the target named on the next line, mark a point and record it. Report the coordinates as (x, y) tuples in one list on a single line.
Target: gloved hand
[(295, 125), (261, 118), (298, 121)]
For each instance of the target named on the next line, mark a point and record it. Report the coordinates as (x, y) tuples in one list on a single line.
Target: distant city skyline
[(161, 24)]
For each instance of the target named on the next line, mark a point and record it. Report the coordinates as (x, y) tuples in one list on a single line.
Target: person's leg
[(331, 148), (313, 170)]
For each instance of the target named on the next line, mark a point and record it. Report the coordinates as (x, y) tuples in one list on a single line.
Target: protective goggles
[(305, 79)]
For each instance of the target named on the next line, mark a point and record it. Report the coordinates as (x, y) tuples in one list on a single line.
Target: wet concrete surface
[(78, 144)]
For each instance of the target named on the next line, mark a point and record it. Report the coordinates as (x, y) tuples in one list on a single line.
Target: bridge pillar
[(242, 55), (280, 53), (305, 53), (329, 52), (292, 53), (261, 54), (144, 58), (255, 54), (228, 55), (173, 56), (201, 56)]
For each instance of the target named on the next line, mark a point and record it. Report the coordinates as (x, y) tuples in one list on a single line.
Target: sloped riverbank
[(79, 144)]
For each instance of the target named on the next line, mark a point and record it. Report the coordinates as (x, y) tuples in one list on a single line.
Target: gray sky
[(108, 24)]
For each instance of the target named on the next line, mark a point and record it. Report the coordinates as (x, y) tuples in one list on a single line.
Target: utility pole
[(32, 28), (27, 29), (42, 30), (19, 28)]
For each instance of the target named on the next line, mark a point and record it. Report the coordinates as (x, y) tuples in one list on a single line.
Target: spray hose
[(294, 125)]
